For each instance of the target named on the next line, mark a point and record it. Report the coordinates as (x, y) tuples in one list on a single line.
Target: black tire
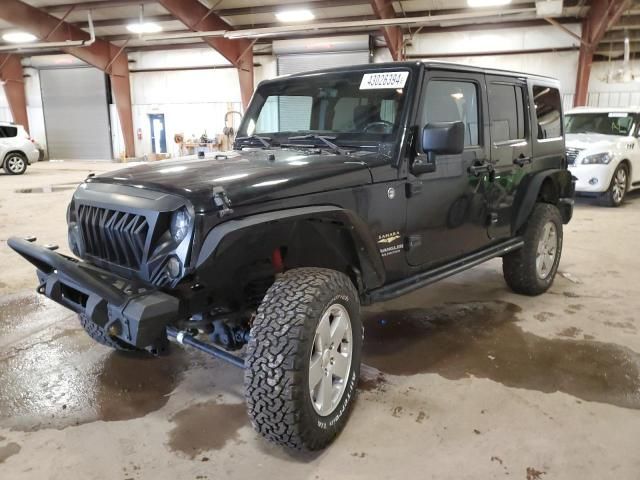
[(278, 358), (98, 334), (15, 163), (614, 196), (520, 270)]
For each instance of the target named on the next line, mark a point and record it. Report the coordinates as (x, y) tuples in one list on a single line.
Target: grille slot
[(572, 154), (114, 236)]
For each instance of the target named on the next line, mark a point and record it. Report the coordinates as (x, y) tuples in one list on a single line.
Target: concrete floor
[(462, 380)]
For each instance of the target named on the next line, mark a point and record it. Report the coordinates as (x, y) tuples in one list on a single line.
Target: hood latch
[(222, 202)]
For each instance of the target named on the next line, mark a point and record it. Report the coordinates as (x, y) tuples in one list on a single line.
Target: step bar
[(422, 279)]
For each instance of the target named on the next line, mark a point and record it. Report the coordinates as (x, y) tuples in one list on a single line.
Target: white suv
[(603, 151), (17, 149)]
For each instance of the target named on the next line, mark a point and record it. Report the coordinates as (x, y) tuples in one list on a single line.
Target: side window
[(8, 132), (450, 101), (506, 106), (548, 111)]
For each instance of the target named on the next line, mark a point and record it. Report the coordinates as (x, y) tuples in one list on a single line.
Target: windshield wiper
[(326, 140), (265, 141)]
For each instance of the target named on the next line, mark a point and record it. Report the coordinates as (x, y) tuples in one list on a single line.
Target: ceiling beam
[(12, 77), (601, 16), (103, 55), (392, 34), (98, 4), (199, 18)]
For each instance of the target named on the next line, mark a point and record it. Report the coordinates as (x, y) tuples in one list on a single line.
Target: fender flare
[(529, 190), (372, 269)]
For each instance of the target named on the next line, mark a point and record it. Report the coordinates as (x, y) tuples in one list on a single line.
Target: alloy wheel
[(330, 361), (15, 164), (547, 250), (619, 185)]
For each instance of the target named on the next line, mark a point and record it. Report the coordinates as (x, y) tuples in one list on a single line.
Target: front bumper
[(592, 178), (130, 312)]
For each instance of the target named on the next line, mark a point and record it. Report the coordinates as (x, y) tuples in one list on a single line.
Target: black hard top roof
[(429, 64)]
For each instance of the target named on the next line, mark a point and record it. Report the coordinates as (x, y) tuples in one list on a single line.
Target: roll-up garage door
[(76, 113), (298, 63)]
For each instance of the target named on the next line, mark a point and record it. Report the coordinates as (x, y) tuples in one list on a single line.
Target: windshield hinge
[(222, 202)]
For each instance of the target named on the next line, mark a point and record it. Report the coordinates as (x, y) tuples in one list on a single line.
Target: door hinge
[(413, 189), (222, 202), (412, 241)]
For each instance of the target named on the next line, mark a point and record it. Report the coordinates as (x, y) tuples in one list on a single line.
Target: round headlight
[(180, 223)]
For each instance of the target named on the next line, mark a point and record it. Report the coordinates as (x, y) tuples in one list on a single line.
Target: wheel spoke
[(338, 328), (326, 393), (323, 333), (315, 372), (341, 366)]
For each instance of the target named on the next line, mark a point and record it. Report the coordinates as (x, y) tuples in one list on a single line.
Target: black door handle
[(522, 160), (480, 168)]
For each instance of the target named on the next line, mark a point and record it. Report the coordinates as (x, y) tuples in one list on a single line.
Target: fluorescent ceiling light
[(487, 3), (146, 27), (302, 15), (18, 37)]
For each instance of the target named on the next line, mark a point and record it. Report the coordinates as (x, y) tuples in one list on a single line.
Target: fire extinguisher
[(139, 134)]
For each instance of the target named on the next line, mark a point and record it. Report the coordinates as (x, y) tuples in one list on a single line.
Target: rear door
[(510, 148)]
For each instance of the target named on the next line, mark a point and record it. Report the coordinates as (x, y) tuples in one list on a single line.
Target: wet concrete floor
[(462, 380)]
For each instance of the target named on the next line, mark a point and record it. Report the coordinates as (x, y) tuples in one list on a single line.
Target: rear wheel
[(15, 164), (100, 336), (303, 358), (531, 269), (618, 188)]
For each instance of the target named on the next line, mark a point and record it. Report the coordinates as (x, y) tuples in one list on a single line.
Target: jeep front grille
[(572, 154), (114, 236)]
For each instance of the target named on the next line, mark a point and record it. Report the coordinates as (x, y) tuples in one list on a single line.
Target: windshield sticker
[(371, 81), (618, 115)]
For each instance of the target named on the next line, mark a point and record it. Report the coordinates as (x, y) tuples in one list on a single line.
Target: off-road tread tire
[(607, 197), (276, 373), (24, 159), (519, 267), (95, 332)]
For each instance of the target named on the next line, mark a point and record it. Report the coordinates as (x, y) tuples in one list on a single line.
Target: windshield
[(349, 108), (605, 123)]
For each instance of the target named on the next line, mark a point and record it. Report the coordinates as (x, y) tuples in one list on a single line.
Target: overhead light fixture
[(19, 37), (487, 3), (288, 16), (144, 27)]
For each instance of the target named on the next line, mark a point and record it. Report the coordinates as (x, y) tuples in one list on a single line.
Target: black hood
[(248, 176)]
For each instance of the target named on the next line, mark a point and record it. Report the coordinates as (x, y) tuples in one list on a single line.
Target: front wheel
[(303, 358), (531, 269), (618, 188), (15, 164)]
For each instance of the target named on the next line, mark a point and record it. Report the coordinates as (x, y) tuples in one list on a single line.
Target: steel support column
[(12, 78), (392, 35), (602, 15), (238, 52), (103, 55)]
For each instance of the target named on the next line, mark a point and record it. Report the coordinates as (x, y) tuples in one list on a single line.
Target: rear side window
[(506, 105), (548, 111), (451, 101), (8, 132)]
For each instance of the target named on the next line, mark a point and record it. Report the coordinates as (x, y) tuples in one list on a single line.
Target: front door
[(158, 134), (510, 149), (446, 212)]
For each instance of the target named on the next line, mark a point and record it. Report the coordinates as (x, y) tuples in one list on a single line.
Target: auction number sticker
[(371, 81)]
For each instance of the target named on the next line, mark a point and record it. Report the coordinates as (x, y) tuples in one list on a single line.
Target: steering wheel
[(380, 123)]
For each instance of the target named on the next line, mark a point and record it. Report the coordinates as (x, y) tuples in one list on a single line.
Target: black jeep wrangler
[(345, 187)]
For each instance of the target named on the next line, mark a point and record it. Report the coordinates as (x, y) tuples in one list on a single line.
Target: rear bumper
[(135, 315)]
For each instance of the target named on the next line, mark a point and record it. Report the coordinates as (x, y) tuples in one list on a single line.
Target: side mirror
[(443, 138)]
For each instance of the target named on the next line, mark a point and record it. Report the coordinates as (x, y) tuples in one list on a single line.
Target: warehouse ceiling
[(112, 17)]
